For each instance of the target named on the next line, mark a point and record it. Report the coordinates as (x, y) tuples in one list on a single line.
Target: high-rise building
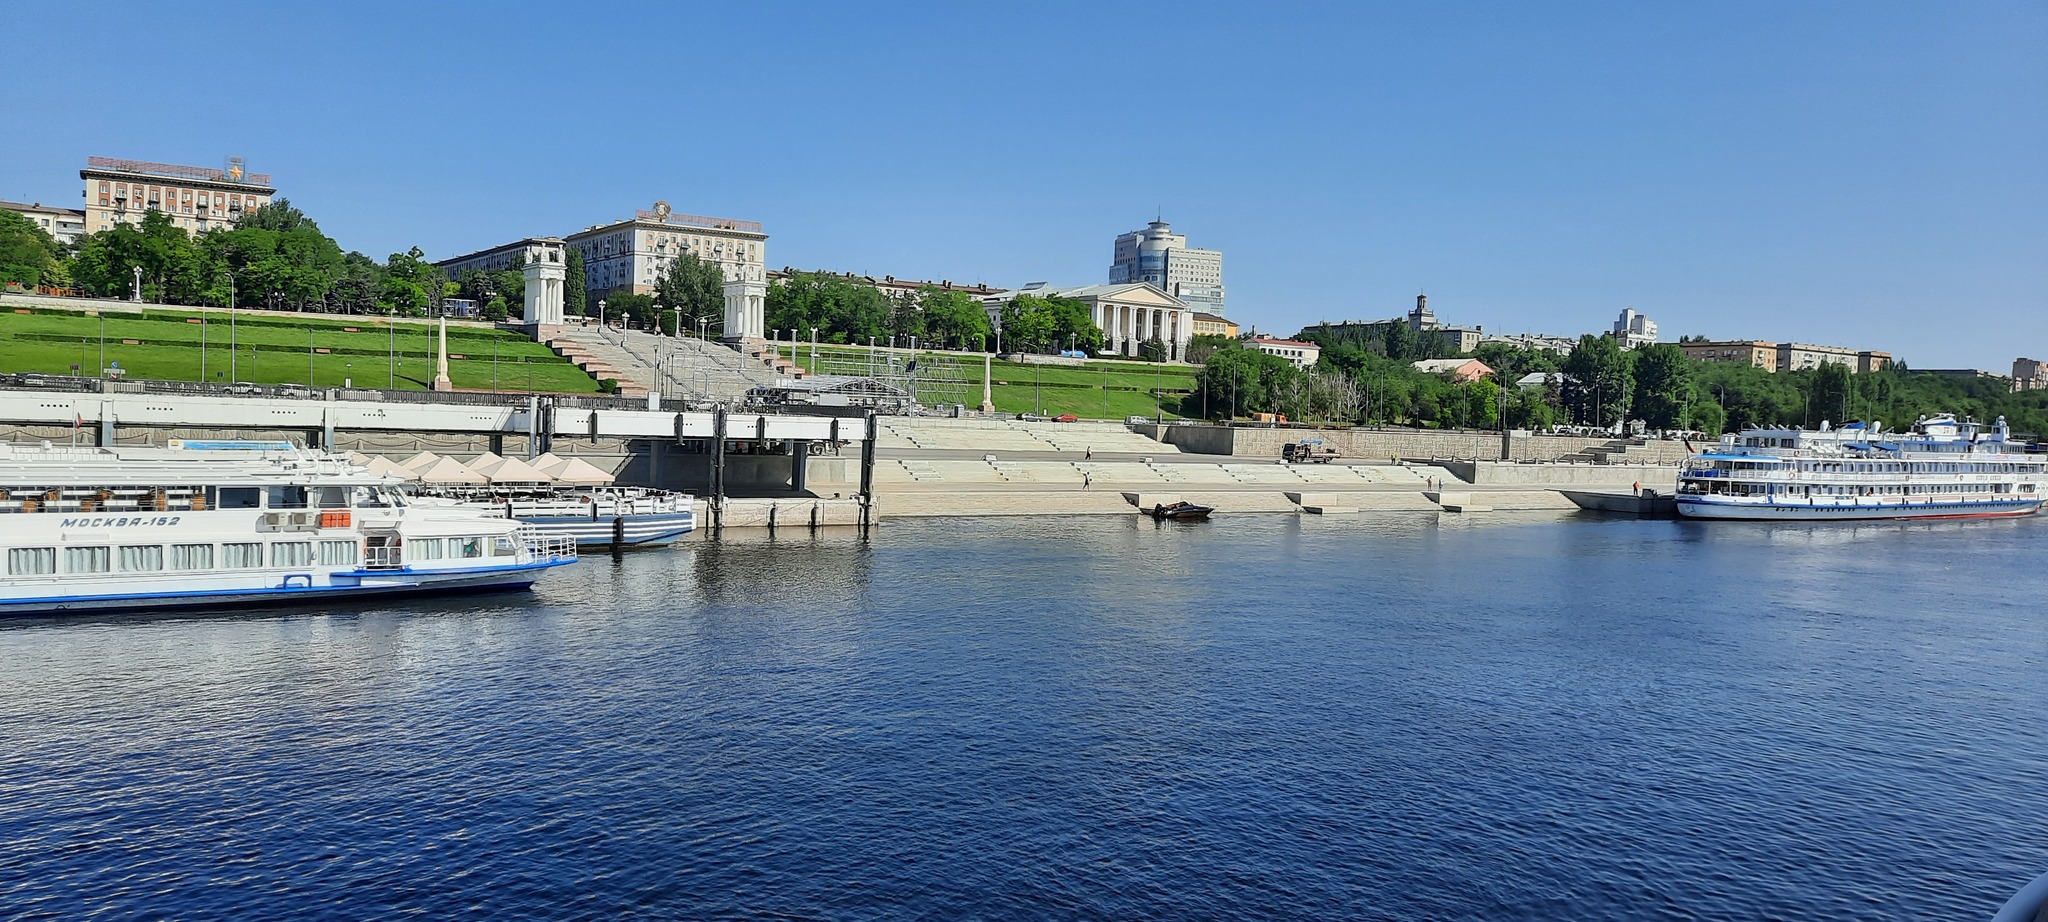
[(196, 198), (1162, 258), (2029, 375), (1633, 329)]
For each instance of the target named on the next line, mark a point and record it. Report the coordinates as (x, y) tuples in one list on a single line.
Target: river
[(1261, 717)]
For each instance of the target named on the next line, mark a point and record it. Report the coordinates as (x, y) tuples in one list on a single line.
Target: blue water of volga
[(1261, 717)]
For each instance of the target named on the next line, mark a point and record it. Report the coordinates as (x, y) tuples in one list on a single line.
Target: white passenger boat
[(211, 524), (1941, 469), (595, 517)]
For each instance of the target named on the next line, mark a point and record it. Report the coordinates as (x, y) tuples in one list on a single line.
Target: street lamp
[(600, 315), (103, 341), (814, 350), (309, 356), (231, 323), (138, 284), (391, 358)]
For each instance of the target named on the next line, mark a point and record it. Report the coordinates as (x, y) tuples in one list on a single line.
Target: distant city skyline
[(1866, 177)]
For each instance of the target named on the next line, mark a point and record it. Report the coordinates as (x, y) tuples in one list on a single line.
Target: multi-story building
[(1161, 258), (197, 199), (1422, 321), (1213, 325), (1128, 315), (1775, 357), (2029, 375), (1633, 329), (632, 255), (1753, 352), (1799, 356), (1561, 345), (1301, 354), (65, 224)]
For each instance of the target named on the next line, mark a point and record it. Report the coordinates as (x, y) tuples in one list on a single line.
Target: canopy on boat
[(449, 471)]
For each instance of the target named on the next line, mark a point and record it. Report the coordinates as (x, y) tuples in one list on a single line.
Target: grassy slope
[(271, 349), (1056, 389)]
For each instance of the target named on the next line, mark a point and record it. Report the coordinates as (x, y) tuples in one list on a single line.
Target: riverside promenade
[(975, 467)]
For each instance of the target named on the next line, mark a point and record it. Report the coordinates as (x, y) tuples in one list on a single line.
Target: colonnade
[(1126, 327)]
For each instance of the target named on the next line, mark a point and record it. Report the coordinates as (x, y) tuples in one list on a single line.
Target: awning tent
[(450, 471)]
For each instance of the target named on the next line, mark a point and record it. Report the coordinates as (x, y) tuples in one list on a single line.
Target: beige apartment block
[(196, 198)]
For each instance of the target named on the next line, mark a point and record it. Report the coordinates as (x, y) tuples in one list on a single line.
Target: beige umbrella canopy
[(484, 462), (510, 470), (547, 462), (378, 464), (420, 462), (449, 471), (581, 473)]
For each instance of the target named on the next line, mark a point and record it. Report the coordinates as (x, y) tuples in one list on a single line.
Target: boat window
[(88, 559), (293, 497), (191, 556), (291, 554), (241, 556), (333, 497), (337, 553), (239, 498), (425, 549), (469, 547), (142, 558), (31, 561), (502, 546)]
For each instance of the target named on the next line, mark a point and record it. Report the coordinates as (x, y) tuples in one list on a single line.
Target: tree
[(1028, 323), (1204, 345), (694, 285), (170, 264), (1663, 386), (625, 303), (411, 285), (953, 317), (28, 254), (1829, 387), (1597, 381), (277, 215), (575, 301)]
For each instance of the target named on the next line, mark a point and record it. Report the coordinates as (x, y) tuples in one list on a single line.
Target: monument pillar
[(441, 382), (545, 273)]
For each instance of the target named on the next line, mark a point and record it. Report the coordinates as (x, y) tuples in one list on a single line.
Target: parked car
[(1137, 420), (1031, 417), (1066, 418), (245, 389)]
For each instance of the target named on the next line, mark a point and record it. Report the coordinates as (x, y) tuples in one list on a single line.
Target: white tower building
[(1163, 259)]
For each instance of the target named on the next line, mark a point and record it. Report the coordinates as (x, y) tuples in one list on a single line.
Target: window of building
[(88, 559), (142, 558), (191, 556), (31, 561)]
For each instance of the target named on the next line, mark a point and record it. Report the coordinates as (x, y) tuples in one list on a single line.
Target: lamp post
[(103, 342), (309, 356), (814, 350), (391, 344), (600, 315), (231, 325), (138, 284)]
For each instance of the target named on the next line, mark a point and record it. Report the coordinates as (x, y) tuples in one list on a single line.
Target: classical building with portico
[(1128, 314)]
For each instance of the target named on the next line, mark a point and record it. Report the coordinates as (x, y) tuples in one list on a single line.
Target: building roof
[(171, 171), (516, 244), (1435, 366), (39, 206), (1264, 341), (679, 222), (1206, 317)]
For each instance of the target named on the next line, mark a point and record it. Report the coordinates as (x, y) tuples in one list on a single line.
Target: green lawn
[(271, 349), (1097, 389)]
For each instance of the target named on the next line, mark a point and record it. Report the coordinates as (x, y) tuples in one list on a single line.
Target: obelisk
[(988, 402), (441, 382)]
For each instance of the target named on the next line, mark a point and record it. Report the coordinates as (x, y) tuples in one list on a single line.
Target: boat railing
[(383, 557), (546, 547)]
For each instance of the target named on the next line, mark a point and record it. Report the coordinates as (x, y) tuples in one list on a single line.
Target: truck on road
[(1308, 451)]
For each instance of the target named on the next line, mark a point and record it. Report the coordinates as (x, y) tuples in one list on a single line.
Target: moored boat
[(1181, 511), (595, 517), (1942, 468), (230, 523)]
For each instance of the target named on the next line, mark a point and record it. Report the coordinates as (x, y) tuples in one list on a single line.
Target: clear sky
[(1865, 174)]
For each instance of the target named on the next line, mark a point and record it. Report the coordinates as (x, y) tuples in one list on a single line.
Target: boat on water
[(213, 524), (593, 517), (1181, 511), (1941, 468)]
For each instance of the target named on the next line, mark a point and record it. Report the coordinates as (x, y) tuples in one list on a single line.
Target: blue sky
[(1863, 174)]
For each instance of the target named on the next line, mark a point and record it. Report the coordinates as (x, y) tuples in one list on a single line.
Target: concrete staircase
[(644, 362)]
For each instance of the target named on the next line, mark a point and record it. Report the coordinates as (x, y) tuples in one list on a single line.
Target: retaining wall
[(1380, 443)]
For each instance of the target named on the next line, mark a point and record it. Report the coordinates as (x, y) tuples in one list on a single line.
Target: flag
[(80, 424)]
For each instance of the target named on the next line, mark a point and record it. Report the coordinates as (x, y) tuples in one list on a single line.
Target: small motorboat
[(1182, 511)]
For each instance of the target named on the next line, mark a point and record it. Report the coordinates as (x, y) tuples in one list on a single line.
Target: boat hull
[(1695, 507), (291, 589), (641, 529)]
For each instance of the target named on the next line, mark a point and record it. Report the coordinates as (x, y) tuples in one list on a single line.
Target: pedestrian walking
[(1088, 453), (1087, 480)]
